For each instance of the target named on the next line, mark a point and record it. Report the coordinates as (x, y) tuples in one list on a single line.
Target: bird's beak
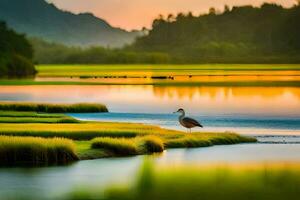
[(174, 112)]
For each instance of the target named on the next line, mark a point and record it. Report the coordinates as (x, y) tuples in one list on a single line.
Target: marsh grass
[(36, 151), (84, 130), (34, 117), (30, 114), (206, 139), (118, 146), (152, 144), (51, 120), (217, 182), (53, 108), (91, 130), (125, 146)]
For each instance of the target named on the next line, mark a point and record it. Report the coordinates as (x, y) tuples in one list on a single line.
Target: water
[(272, 114), (53, 182), (247, 110)]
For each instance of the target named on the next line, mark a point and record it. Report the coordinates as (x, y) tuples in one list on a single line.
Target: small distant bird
[(187, 122)]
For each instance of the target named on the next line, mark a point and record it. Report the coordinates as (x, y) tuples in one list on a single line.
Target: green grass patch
[(207, 139), (37, 120), (53, 108), (34, 117), (35, 151), (125, 146), (84, 130), (30, 114), (118, 146), (218, 182)]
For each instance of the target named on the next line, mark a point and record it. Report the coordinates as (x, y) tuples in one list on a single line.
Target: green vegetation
[(47, 21), (95, 139), (54, 108), (15, 54), (260, 182), (35, 151), (118, 146), (247, 34), (125, 147), (47, 53), (271, 36)]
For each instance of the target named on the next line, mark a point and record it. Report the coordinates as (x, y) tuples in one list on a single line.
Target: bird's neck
[(181, 116)]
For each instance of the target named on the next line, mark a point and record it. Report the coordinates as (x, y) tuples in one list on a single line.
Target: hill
[(38, 18), (268, 34), (15, 54)]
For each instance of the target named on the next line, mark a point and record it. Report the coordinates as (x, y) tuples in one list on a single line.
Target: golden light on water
[(273, 101)]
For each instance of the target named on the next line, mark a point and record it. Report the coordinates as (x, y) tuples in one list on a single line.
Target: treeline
[(54, 53), (269, 34), (15, 54), (266, 34)]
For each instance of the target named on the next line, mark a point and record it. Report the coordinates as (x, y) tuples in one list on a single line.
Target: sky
[(135, 14)]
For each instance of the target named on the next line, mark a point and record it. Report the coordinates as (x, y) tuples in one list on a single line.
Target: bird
[(187, 122)]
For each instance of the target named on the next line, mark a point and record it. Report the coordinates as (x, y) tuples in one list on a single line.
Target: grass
[(218, 182), (30, 114), (105, 139), (37, 120), (118, 146), (34, 117), (53, 108), (244, 75), (125, 146), (91, 130), (35, 151)]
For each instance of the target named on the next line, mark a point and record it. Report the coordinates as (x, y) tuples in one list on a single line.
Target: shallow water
[(247, 110), (52, 182)]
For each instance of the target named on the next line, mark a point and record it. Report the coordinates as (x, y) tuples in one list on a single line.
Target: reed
[(126, 147), (120, 146), (32, 151), (53, 108)]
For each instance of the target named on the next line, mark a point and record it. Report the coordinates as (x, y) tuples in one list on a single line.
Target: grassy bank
[(53, 108), (36, 151), (102, 139), (259, 182), (34, 117), (91, 130)]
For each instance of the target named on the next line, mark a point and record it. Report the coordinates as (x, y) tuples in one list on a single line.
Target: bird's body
[(187, 122)]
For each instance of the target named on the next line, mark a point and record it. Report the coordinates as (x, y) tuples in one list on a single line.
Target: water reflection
[(270, 101)]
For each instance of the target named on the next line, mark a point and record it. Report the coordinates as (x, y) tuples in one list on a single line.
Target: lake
[(53, 182), (272, 114), (247, 110)]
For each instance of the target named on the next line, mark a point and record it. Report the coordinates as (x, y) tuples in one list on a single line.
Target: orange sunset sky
[(135, 14)]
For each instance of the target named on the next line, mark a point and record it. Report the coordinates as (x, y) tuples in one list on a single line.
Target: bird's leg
[(190, 130)]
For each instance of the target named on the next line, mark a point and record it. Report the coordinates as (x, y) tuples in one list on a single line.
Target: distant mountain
[(38, 18)]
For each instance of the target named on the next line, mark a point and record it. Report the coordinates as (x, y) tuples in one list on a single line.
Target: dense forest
[(270, 33), (15, 54), (54, 53), (266, 34)]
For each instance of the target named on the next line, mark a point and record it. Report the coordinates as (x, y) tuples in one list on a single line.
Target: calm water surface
[(270, 113), (247, 110), (53, 182)]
